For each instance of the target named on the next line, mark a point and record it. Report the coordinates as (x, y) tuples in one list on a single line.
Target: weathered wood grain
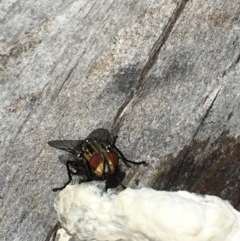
[(164, 75)]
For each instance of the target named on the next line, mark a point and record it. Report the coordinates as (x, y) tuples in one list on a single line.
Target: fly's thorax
[(102, 160)]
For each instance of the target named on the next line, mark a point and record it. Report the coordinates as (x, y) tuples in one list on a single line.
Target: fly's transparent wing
[(67, 157), (77, 166), (72, 146), (101, 135)]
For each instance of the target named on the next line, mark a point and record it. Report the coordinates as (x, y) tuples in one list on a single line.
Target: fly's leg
[(106, 182), (81, 168), (86, 173), (86, 180), (70, 173), (120, 183), (114, 140), (126, 161)]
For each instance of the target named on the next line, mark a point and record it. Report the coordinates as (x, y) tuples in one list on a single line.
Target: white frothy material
[(89, 213)]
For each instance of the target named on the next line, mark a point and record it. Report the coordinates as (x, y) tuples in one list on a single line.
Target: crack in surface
[(175, 177), (205, 116), (52, 233), (152, 59), (120, 113), (22, 125), (232, 65), (154, 52), (66, 79)]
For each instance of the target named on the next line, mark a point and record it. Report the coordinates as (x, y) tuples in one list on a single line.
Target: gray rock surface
[(163, 75)]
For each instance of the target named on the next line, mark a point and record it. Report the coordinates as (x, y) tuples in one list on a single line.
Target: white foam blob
[(88, 213)]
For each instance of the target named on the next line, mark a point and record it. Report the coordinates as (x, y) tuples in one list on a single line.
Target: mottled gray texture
[(161, 74)]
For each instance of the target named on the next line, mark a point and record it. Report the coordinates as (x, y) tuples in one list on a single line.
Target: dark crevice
[(237, 59), (51, 234), (205, 116), (22, 125), (234, 63), (116, 122), (67, 77), (152, 58)]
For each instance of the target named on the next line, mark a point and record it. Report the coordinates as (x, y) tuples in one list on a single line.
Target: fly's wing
[(67, 157), (101, 135), (77, 167), (72, 146)]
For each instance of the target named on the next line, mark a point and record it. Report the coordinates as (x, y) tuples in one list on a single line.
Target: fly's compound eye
[(95, 160), (113, 158)]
